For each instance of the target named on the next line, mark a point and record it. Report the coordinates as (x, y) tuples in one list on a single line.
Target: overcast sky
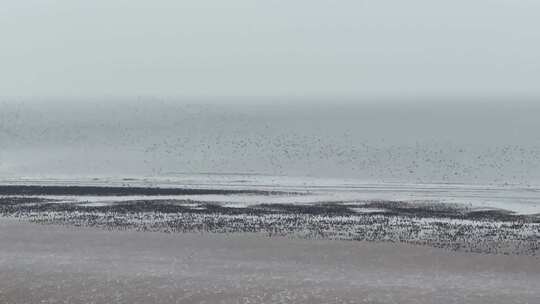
[(306, 48)]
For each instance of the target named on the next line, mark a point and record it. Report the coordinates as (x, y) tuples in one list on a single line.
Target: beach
[(58, 264)]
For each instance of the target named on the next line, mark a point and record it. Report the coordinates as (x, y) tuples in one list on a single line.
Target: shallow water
[(521, 200)]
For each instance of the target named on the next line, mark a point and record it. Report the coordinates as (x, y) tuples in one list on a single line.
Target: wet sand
[(56, 264)]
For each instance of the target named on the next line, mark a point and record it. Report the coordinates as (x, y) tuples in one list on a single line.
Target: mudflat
[(64, 264)]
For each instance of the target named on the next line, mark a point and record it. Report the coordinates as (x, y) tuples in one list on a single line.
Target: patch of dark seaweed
[(450, 211), (499, 215), (23, 200), (10, 205), (171, 207), (13, 205), (332, 209), (121, 191), (132, 207)]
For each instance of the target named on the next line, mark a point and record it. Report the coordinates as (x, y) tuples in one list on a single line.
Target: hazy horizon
[(302, 49), (422, 142)]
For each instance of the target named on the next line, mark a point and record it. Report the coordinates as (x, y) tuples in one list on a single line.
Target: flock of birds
[(431, 225), (134, 138)]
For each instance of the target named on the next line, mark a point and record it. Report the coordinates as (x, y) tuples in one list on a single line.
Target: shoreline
[(456, 227)]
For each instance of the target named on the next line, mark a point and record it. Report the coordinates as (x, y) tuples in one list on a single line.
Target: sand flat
[(54, 264)]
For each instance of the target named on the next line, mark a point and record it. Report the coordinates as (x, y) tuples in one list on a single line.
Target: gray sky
[(306, 48)]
